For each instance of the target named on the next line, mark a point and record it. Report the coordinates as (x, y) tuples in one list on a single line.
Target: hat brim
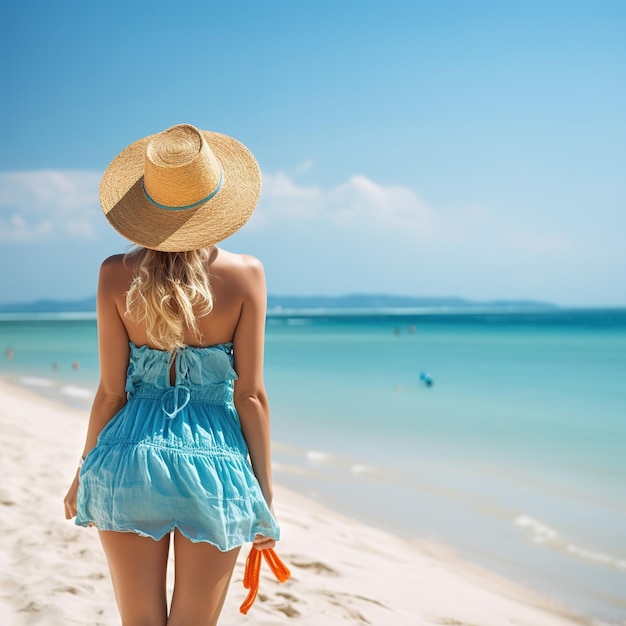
[(135, 217)]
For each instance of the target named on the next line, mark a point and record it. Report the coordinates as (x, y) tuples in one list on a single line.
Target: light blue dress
[(174, 456)]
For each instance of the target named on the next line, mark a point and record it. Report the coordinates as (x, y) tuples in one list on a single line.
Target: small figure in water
[(427, 379)]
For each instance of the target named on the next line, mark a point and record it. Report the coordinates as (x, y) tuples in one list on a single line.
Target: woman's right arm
[(250, 395), (113, 351)]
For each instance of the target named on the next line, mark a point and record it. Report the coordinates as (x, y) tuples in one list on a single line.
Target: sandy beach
[(343, 572)]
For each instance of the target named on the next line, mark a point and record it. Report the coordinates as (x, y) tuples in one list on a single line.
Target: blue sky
[(451, 147)]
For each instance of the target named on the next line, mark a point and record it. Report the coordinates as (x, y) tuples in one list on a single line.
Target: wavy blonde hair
[(169, 291)]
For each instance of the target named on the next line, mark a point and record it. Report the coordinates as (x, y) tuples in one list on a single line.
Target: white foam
[(76, 392), (33, 381), (541, 533), (318, 457), (359, 469), (596, 557), (295, 321), (290, 469)]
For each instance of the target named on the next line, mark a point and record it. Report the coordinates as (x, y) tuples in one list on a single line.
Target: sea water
[(502, 435)]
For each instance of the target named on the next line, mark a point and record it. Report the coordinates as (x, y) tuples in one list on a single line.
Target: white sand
[(343, 572)]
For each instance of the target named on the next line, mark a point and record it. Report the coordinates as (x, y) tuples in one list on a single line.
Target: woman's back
[(233, 279)]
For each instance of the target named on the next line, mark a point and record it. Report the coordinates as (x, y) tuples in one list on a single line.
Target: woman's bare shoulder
[(242, 266), (237, 277), (115, 272), (114, 261)]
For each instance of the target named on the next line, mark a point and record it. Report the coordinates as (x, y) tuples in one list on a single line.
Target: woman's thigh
[(138, 571), (202, 577)]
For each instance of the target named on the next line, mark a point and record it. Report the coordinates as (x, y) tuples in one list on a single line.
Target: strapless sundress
[(174, 456)]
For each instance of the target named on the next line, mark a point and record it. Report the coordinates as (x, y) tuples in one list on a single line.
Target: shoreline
[(343, 571)]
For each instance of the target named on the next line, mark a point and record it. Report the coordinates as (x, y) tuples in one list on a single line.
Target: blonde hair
[(168, 292)]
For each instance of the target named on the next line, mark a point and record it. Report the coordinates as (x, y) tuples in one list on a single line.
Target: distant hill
[(279, 304)]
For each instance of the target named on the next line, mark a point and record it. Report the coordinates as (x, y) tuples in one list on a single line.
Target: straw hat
[(181, 189)]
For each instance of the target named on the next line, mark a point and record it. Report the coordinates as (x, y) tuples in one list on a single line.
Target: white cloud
[(63, 204), (359, 202), (42, 204), (396, 213), (15, 228)]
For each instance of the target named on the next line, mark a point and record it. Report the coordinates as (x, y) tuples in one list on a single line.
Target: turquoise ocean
[(499, 434)]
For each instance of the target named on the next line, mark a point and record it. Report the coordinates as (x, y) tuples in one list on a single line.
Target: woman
[(181, 403)]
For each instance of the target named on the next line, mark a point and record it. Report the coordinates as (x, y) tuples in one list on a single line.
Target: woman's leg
[(138, 566), (202, 576)]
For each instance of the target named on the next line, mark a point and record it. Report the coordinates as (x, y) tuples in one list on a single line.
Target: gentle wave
[(318, 462), (32, 381), (298, 321), (364, 470), (597, 557), (541, 533), (332, 461), (290, 469), (77, 392), (317, 456)]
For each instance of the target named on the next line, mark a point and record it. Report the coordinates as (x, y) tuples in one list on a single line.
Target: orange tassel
[(253, 570), (276, 565)]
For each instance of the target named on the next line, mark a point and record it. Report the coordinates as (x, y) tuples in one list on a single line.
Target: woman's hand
[(70, 499), (263, 543)]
